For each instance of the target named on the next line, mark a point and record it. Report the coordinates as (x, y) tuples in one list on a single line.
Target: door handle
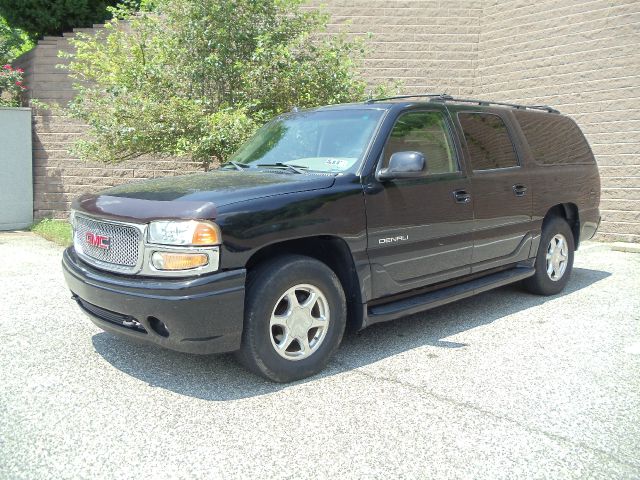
[(519, 190), (462, 196)]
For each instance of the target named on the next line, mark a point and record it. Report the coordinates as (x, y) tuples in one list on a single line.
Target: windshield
[(326, 141)]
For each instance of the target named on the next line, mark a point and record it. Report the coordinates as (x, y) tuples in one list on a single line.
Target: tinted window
[(488, 141), (554, 139), (423, 132)]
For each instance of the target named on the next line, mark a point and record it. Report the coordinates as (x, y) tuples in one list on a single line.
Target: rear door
[(501, 188), (420, 230)]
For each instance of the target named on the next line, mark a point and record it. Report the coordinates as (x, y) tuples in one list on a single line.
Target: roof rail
[(397, 97), (443, 97), (449, 98)]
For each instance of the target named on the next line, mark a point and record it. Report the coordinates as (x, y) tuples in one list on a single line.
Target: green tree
[(197, 77), (13, 42), (52, 17)]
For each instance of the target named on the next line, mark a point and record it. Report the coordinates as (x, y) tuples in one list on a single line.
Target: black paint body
[(392, 238)]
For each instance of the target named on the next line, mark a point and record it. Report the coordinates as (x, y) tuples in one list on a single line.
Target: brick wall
[(430, 46), (581, 57), (577, 55)]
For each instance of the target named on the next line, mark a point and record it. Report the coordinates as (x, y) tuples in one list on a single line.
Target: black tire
[(265, 287), (541, 283)]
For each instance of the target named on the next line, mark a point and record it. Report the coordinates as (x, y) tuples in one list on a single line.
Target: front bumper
[(200, 315)]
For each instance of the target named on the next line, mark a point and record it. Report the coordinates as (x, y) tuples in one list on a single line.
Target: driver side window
[(427, 133)]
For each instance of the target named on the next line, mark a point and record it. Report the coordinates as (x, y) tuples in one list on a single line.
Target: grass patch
[(57, 231)]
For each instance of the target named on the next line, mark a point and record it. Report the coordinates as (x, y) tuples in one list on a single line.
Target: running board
[(426, 301)]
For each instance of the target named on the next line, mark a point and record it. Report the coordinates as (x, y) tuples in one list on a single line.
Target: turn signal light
[(178, 261), (205, 234)]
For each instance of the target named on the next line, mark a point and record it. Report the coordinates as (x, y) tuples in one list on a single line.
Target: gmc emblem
[(99, 241)]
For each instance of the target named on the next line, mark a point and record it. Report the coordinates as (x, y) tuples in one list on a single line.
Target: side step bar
[(426, 301)]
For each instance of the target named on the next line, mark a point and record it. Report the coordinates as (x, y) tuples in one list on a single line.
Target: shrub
[(11, 86), (197, 77)]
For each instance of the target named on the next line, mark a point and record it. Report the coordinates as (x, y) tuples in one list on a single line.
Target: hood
[(196, 195)]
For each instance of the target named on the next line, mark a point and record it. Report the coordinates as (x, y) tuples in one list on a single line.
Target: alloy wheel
[(299, 322), (557, 257)]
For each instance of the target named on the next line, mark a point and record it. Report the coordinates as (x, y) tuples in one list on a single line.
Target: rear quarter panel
[(577, 184)]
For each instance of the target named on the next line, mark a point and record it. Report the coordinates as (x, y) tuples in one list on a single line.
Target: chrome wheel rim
[(557, 257), (299, 322)]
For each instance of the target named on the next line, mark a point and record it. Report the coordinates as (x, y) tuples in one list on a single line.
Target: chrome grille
[(125, 244)]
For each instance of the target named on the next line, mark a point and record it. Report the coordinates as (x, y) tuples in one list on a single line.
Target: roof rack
[(397, 97), (443, 97), (449, 98)]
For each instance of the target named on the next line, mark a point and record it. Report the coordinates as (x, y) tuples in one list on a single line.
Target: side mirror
[(404, 165)]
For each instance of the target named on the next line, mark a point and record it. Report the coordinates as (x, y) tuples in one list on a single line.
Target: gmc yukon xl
[(340, 216)]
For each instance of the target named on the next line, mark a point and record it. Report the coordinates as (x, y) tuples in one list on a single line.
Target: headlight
[(188, 232)]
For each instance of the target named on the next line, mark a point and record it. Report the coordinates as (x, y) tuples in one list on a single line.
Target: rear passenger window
[(488, 141), (554, 139), (427, 133)]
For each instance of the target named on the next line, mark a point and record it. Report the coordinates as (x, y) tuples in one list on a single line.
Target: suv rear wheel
[(295, 315), (554, 261)]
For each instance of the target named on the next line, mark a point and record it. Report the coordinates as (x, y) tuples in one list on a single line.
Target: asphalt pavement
[(502, 385)]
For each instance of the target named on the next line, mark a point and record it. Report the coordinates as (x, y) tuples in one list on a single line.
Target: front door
[(502, 197), (420, 229)]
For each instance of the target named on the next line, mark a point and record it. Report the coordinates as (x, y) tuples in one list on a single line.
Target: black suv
[(345, 215)]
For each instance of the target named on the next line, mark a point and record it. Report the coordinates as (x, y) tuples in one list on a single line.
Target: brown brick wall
[(430, 46), (577, 55), (581, 57)]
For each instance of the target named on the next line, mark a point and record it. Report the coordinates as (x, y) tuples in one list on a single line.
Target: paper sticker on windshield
[(336, 164)]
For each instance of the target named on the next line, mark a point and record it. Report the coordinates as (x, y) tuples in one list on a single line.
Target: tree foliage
[(13, 42), (197, 77), (52, 17)]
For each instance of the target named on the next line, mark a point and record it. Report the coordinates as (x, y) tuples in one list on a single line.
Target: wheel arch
[(568, 211), (330, 250)]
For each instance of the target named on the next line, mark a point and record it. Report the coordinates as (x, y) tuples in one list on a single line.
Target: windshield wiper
[(238, 166), (295, 168)]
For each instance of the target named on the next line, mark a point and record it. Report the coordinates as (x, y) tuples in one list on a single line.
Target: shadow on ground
[(220, 378)]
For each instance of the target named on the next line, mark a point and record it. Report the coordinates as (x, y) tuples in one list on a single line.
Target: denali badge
[(399, 238), (99, 241)]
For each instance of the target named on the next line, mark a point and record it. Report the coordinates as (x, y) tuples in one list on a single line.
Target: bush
[(197, 77), (11, 86)]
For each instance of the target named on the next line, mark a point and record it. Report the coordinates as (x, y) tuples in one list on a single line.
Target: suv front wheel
[(295, 316), (554, 261)]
